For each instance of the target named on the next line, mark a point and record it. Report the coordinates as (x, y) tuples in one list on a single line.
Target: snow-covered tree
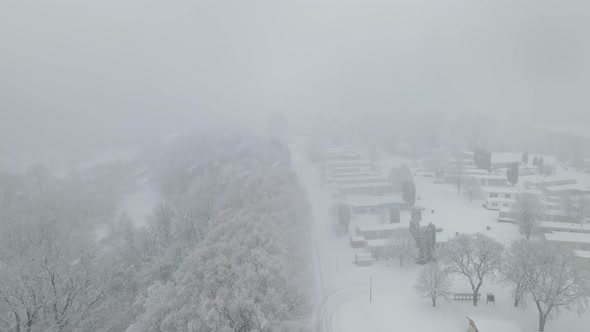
[(403, 246), (50, 280), (458, 174), (399, 175), (528, 209), (343, 214), (525, 158), (517, 265), (513, 172), (553, 282), (477, 257), (409, 192), (576, 207), (472, 189), (434, 282)]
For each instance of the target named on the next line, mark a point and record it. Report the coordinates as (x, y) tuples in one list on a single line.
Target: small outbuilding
[(490, 324)]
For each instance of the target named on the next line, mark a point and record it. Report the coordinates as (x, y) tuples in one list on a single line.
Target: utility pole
[(370, 289)]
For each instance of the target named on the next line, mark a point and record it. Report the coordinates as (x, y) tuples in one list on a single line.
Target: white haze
[(81, 77)]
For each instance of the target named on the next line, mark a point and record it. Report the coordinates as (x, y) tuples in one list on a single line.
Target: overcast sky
[(77, 75)]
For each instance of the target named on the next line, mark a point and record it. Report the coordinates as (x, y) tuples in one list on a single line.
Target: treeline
[(226, 250), (233, 241)]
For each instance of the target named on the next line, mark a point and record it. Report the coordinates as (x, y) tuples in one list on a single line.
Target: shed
[(489, 324)]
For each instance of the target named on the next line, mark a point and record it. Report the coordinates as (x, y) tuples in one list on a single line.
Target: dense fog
[(93, 75)]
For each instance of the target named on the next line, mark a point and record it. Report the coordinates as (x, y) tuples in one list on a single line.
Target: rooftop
[(487, 324), (568, 237), (564, 225), (582, 253), (568, 187), (383, 227), (363, 200), (365, 185)]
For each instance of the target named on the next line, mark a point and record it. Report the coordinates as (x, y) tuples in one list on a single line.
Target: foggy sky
[(83, 75)]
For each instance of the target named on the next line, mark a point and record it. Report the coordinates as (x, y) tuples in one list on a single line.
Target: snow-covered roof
[(486, 324), (568, 187), (489, 176), (336, 163), (582, 253), (564, 225), (500, 199), (377, 228), (363, 200), (568, 237), (507, 190), (365, 185), (550, 180), (358, 173), (361, 178)]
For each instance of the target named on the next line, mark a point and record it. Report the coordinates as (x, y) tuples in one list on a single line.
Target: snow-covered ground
[(344, 287)]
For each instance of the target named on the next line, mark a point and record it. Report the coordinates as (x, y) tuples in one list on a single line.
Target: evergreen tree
[(512, 173), (409, 193)]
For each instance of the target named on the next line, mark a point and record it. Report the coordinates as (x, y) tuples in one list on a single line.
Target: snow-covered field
[(344, 288)]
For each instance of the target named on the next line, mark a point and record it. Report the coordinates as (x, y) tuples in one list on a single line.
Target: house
[(375, 204), (500, 192), (360, 179), (549, 183), (491, 180), (374, 232), (361, 172), (342, 155), (488, 324), (498, 198), (582, 258), (569, 240), (376, 188), (507, 215), (499, 203), (348, 163), (441, 238), (566, 189), (552, 226)]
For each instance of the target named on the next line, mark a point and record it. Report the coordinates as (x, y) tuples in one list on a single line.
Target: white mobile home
[(569, 240)]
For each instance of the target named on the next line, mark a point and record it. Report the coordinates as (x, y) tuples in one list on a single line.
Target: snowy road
[(338, 281)]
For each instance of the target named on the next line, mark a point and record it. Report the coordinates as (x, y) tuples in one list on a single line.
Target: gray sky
[(80, 75)]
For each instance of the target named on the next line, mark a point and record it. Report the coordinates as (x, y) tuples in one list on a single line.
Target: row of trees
[(54, 275), (539, 274), (226, 250)]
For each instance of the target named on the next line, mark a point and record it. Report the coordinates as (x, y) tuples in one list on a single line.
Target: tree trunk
[(516, 300), (542, 321), (475, 292), (401, 261), (29, 321), (433, 301), (17, 325), (543, 314)]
